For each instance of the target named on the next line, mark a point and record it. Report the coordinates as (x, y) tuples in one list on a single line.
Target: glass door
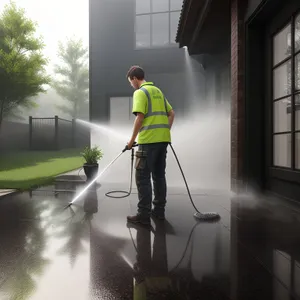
[(286, 96)]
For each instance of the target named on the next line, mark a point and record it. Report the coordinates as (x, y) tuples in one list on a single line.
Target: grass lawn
[(31, 169)]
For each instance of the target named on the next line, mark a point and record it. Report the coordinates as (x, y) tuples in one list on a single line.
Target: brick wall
[(237, 93)]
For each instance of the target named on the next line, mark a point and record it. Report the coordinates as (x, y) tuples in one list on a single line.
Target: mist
[(47, 105), (201, 142), (200, 136), (201, 132), (56, 22)]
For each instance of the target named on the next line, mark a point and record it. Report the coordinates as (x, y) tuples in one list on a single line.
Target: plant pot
[(90, 171)]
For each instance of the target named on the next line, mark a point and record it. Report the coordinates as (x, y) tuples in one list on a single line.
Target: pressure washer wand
[(94, 180), (126, 147)]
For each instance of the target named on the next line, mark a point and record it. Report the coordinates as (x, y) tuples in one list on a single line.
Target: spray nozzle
[(126, 147)]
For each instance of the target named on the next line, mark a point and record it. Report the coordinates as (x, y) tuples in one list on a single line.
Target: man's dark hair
[(136, 71)]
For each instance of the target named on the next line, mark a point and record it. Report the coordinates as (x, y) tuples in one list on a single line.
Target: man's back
[(150, 101)]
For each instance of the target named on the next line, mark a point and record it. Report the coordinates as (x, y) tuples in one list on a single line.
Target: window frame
[(151, 14), (292, 95)]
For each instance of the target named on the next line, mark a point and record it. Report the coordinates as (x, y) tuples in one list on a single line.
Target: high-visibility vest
[(155, 127)]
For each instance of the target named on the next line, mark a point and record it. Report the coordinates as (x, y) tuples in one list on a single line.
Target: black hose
[(191, 235), (186, 248), (126, 193), (206, 216), (186, 184)]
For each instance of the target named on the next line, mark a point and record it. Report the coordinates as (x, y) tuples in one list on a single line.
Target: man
[(152, 125)]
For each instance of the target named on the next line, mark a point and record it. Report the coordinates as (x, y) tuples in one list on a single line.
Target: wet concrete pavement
[(89, 251)]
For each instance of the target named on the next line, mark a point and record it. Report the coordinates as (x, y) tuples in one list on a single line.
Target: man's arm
[(171, 116), (136, 127), (139, 109), (171, 113)]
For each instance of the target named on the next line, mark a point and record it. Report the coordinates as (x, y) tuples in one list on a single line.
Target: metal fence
[(56, 134)]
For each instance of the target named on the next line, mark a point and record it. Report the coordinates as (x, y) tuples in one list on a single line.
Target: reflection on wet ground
[(89, 252)]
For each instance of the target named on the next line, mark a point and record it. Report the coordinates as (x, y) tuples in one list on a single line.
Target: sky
[(57, 20)]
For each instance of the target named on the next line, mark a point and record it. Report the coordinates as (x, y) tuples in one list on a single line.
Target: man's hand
[(130, 144)]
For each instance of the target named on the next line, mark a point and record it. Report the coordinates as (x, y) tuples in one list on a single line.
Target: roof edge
[(181, 23)]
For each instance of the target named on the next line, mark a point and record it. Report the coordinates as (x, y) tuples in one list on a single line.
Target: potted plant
[(91, 156)]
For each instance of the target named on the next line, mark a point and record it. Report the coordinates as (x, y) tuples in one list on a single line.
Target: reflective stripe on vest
[(155, 126), (150, 113)]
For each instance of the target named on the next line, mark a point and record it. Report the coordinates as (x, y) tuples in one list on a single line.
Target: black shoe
[(160, 217), (139, 219)]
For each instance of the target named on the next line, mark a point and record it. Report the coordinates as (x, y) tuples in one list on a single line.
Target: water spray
[(104, 170), (94, 180), (201, 216)]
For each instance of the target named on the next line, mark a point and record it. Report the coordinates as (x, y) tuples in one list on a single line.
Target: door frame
[(258, 121), (281, 180)]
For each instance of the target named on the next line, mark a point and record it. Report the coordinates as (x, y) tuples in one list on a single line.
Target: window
[(176, 5), (160, 30), (286, 96), (156, 22), (286, 270), (142, 31), (143, 7), (160, 6)]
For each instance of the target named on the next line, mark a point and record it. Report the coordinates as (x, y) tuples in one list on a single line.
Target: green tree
[(22, 64), (72, 81)]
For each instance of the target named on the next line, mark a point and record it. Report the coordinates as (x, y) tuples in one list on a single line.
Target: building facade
[(131, 32), (265, 86), (142, 32)]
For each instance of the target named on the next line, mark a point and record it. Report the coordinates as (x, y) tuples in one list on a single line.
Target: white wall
[(120, 111)]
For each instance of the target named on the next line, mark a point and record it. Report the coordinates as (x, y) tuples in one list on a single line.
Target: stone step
[(5, 192), (68, 184), (66, 177)]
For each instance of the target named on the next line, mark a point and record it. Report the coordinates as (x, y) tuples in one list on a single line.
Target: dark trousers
[(151, 160)]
